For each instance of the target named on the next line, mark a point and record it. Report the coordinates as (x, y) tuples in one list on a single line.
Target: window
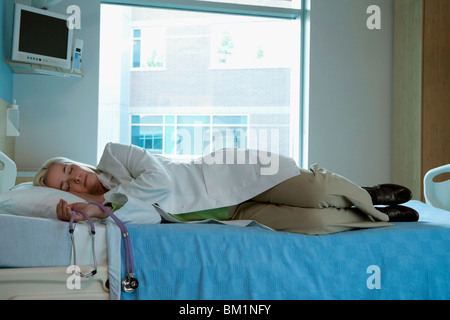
[(186, 83), (184, 136), (148, 48)]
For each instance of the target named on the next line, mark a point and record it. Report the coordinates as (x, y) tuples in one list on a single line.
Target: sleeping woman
[(228, 185)]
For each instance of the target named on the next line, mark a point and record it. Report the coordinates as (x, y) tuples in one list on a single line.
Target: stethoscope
[(129, 283)]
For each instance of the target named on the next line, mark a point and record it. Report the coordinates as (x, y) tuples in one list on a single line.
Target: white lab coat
[(150, 186)]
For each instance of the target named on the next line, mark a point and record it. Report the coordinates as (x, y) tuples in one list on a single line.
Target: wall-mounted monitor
[(41, 37)]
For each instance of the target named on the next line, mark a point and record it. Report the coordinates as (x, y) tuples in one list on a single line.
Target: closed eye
[(68, 169), (65, 186)]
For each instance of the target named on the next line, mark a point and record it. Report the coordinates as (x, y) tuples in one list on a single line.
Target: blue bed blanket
[(209, 261)]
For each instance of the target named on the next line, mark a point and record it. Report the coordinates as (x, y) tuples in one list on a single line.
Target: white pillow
[(32, 201)]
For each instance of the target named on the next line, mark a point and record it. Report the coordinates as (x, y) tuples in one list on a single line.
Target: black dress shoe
[(389, 194), (400, 213)]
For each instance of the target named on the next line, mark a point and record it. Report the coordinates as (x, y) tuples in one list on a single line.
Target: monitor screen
[(43, 35)]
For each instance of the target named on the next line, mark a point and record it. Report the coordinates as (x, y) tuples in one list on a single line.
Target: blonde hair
[(40, 179)]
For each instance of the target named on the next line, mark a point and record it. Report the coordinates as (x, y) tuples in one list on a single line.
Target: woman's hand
[(64, 211)]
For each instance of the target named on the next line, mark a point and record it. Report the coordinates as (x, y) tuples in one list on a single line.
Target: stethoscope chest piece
[(130, 284)]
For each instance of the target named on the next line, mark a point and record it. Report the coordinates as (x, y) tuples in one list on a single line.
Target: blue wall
[(6, 76)]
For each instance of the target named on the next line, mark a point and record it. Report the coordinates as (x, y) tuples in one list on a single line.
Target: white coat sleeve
[(143, 179), (141, 174)]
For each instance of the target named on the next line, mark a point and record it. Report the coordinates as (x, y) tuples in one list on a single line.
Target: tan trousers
[(316, 202)]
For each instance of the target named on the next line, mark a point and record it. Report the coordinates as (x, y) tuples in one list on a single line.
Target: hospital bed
[(218, 262)]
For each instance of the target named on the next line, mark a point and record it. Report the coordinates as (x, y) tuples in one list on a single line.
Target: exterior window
[(149, 48), (147, 132), (137, 48), (188, 136)]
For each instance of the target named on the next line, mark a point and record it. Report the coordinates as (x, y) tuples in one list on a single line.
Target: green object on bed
[(220, 214)]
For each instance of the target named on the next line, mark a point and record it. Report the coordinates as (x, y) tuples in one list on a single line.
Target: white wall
[(350, 99), (351, 90)]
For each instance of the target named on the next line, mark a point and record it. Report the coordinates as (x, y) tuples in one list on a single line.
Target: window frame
[(218, 7)]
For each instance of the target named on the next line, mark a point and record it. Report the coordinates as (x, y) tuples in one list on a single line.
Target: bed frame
[(53, 283)]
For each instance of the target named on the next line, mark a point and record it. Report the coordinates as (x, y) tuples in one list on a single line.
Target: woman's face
[(74, 178)]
